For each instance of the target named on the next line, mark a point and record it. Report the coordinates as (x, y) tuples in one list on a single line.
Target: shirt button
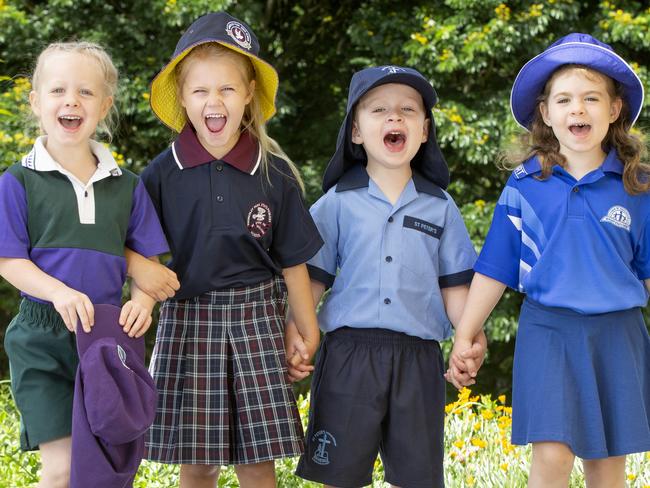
[(390, 219), (219, 198), (387, 301), (576, 190), (389, 259), (219, 167)]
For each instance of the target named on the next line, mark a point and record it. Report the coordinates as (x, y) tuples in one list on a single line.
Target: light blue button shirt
[(387, 263)]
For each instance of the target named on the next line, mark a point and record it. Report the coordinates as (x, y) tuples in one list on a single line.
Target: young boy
[(398, 260)]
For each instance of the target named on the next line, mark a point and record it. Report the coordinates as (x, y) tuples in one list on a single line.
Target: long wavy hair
[(541, 141), (253, 118)]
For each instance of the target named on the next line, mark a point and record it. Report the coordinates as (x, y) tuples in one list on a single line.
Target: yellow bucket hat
[(222, 28)]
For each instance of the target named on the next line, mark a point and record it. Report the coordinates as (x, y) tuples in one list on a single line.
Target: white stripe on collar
[(259, 159), (39, 159)]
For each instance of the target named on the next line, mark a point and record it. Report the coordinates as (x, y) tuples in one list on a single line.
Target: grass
[(477, 431)]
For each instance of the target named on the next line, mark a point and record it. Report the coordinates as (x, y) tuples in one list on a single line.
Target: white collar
[(39, 159)]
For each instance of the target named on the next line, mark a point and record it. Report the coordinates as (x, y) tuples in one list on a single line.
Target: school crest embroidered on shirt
[(618, 216), (259, 220), (324, 439), (239, 33)]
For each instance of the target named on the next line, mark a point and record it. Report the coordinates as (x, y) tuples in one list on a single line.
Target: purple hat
[(114, 404), (428, 161), (574, 48)]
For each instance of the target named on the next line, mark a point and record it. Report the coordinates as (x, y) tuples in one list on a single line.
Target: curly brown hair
[(631, 149)]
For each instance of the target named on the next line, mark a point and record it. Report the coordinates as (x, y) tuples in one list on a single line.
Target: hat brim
[(164, 93), (532, 77), (107, 326)]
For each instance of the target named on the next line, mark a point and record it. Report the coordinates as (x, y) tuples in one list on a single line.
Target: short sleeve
[(322, 267), (456, 254), (295, 237), (500, 257), (14, 235), (145, 235), (641, 261)]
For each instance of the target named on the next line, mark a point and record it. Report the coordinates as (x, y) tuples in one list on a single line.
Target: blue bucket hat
[(428, 161), (574, 48)]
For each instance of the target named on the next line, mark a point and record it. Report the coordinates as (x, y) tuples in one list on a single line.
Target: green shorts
[(43, 362)]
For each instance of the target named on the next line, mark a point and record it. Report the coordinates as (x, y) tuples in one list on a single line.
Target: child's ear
[(356, 134), (106, 106), (34, 103), (251, 91), (543, 110), (425, 130), (615, 109)]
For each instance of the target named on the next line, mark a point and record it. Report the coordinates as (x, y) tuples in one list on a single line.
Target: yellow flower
[(459, 443), (145, 96), (502, 398), (476, 426), (487, 414), (503, 12), (419, 37), (470, 480), (476, 441), (504, 466), (631, 477)]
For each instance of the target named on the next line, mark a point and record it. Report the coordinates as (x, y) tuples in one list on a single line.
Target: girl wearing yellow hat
[(231, 205)]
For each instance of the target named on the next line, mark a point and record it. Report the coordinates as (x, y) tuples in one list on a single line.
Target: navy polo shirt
[(228, 223), (392, 260), (579, 244)]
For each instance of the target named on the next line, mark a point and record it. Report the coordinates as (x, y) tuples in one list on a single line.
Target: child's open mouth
[(215, 122), (395, 140), (70, 122), (579, 129)]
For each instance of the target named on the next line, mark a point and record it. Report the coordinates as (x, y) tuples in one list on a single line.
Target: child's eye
[(57, 90), (198, 90), (228, 88), (378, 109), (408, 109), (592, 99), (86, 92), (562, 100)]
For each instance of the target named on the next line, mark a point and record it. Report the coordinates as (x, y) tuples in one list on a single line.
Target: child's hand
[(135, 318), (155, 279), (465, 360), (72, 304), (298, 353)]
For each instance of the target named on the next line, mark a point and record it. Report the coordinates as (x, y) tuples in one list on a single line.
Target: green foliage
[(470, 49)]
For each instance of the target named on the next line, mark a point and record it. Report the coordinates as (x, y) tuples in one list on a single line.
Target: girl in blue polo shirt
[(231, 206), (571, 230), (67, 213)]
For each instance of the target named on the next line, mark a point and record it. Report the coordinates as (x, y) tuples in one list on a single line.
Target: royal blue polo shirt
[(228, 223), (579, 244), (75, 231), (392, 260)]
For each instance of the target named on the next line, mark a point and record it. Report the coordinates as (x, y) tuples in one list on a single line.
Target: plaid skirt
[(219, 366)]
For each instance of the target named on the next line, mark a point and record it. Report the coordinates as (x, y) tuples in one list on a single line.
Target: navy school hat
[(230, 32), (574, 48), (428, 161), (114, 404)]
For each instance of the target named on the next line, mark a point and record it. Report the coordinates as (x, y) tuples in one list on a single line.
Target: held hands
[(299, 351), (465, 360), (73, 305), (135, 318)]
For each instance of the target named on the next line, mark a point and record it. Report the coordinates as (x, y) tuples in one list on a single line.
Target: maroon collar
[(189, 153)]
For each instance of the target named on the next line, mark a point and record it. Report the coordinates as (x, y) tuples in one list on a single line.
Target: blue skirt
[(583, 380)]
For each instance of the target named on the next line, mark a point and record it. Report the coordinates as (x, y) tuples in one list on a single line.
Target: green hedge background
[(470, 49)]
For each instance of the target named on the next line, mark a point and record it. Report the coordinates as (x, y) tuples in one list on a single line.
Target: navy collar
[(357, 177), (189, 152)]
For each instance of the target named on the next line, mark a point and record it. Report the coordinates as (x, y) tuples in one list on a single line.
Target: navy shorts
[(376, 391)]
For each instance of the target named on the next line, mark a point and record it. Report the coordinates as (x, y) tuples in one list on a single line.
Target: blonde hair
[(541, 140), (105, 65), (253, 118)]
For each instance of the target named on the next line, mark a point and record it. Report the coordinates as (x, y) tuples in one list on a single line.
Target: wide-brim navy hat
[(428, 161), (575, 48), (224, 29)]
